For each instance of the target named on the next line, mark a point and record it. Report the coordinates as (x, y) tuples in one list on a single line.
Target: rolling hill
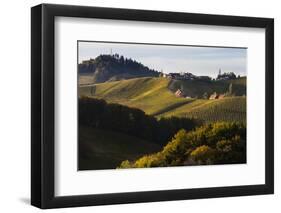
[(149, 94), (156, 97), (112, 68)]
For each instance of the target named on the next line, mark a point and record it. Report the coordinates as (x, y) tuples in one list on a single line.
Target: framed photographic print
[(140, 106)]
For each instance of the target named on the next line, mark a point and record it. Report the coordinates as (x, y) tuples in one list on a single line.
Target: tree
[(217, 143), (122, 59)]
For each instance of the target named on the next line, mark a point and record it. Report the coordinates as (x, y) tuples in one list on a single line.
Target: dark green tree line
[(99, 114)]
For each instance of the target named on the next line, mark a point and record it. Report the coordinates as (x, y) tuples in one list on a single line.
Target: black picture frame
[(43, 102)]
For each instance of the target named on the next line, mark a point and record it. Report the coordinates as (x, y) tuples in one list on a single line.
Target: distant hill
[(155, 96), (113, 68)]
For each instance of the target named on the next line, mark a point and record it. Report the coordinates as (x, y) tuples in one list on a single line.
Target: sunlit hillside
[(156, 96)]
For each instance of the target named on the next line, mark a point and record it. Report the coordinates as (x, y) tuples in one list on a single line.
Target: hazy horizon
[(167, 58)]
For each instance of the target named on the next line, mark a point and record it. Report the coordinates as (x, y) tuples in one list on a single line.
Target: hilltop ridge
[(113, 68)]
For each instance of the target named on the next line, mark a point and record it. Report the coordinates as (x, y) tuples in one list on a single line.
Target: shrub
[(217, 143), (203, 155)]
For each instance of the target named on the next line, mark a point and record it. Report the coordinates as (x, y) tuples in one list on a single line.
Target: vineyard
[(141, 122), (132, 116), (228, 109), (155, 96), (148, 94)]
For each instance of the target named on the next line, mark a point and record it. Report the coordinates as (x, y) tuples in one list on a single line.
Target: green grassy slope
[(227, 109), (156, 96), (99, 149), (149, 94)]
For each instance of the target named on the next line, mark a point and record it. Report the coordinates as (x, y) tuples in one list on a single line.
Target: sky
[(168, 58)]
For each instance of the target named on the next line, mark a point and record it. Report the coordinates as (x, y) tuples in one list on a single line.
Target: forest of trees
[(99, 114), (114, 67), (217, 143)]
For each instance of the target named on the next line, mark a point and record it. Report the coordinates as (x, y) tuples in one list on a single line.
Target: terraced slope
[(149, 94), (156, 96), (227, 109)]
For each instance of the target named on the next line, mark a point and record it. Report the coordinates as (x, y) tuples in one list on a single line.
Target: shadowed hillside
[(197, 88), (99, 149), (99, 114), (110, 133)]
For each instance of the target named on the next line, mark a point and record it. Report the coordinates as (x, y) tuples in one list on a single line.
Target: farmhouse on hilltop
[(217, 96), (214, 96)]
